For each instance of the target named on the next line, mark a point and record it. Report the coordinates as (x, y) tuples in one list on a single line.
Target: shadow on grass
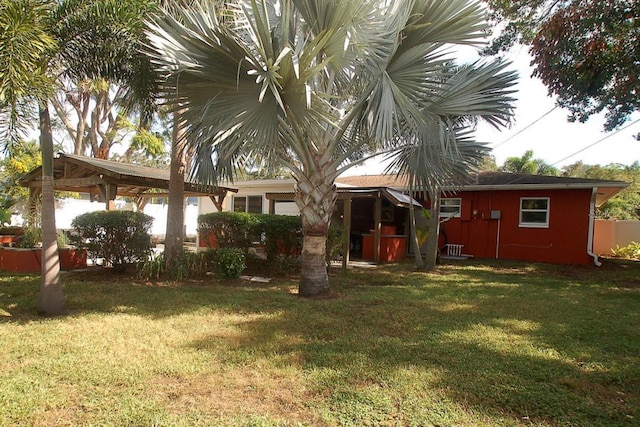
[(520, 345), (527, 343)]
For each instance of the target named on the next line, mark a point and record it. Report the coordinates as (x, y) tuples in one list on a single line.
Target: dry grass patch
[(278, 394)]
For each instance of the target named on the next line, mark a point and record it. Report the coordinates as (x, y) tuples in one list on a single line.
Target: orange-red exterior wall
[(563, 242)]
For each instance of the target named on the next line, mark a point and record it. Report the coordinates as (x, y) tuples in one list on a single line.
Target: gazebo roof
[(90, 175)]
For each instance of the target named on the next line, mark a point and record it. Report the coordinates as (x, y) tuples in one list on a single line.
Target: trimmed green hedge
[(120, 237), (280, 234)]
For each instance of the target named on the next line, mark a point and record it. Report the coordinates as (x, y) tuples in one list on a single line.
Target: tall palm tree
[(318, 86), (47, 39), (26, 85)]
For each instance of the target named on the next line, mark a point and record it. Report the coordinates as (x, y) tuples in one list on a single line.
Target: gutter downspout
[(592, 215)]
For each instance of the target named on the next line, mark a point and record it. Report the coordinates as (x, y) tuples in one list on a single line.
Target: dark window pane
[(239, 204), (534, 204), (534, 217), (255, 204)]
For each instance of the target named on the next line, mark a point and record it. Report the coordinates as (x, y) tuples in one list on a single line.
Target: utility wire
[(526, 127), (597, 142)]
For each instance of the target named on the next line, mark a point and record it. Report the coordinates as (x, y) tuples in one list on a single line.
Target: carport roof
[(85, 174)]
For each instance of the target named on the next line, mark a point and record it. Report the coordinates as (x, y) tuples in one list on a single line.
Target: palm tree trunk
[(174, 237), (414, 234), (51, 300), (315, 199), (434, 231)]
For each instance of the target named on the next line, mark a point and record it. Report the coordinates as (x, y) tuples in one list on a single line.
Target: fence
[(608, 234)]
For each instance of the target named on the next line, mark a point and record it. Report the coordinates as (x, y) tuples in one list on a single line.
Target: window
[(253, 205), (450, 208), (534, 212)]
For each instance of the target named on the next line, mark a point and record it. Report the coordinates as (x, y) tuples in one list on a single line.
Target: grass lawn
[(472, 344)]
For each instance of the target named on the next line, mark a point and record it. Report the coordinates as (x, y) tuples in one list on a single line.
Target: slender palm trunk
[(174, 238), (434, 231), (316, 199), (51, 300), (414, 234)]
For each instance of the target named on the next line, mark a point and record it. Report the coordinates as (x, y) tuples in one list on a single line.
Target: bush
[(231, 229), (631, 251), (282, 236), (229, 262), (120, 237), (188, 265), (334, 244)]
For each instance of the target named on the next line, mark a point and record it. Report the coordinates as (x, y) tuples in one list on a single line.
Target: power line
[(526, 127), (597, 142)]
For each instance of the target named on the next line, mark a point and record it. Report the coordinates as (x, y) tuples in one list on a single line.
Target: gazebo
[(103, 180)]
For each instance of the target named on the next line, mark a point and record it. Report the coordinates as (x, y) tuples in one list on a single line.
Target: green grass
[(472, 344)]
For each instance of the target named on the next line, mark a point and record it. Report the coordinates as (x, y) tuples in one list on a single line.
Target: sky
[(552, 137)]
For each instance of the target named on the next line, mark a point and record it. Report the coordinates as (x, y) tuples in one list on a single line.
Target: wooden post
[(346, 233), (272, 207), (32, 219), (110, 192), (378, 219)]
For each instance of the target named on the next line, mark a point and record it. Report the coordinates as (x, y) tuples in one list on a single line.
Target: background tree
[(528, 165), (25, 31), (625, 204), (488, 163), (584, 51), (77, 39), (318, 87), (101, 108), (429, 169), (22, 157)]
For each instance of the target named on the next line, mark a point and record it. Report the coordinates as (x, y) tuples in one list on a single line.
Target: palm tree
[(319, 86), (26, 86), (528, 165), (47, 40)]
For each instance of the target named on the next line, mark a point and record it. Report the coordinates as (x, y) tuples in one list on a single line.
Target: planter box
[(71, 258), (8, 240), (19, 260), (207, 239)]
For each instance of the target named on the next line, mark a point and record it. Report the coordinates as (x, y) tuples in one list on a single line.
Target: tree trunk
[(51, 301), (434, 231), (174, 237), (316, 199), (414, 234)]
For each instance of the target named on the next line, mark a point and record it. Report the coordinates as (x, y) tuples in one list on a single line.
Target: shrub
[(631, 251), (120, 237), (152, 267), (188, 265), (282, 236), (229, 262), (334, 244), (231, 229)]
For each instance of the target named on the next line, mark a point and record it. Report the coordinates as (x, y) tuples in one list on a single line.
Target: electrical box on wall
[(496, 214)]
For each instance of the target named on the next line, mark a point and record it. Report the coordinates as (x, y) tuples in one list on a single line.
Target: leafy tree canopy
[(585, 51), (527, 164), (625, 204), (23, 157)]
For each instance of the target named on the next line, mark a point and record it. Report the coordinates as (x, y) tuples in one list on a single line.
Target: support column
[(346, 233), (378, 220)]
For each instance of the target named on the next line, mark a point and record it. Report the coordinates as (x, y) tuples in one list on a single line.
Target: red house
[(514, 216)]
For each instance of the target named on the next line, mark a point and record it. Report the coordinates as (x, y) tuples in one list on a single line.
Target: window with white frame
[(250, 204), (450, 208), (534, 212)]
